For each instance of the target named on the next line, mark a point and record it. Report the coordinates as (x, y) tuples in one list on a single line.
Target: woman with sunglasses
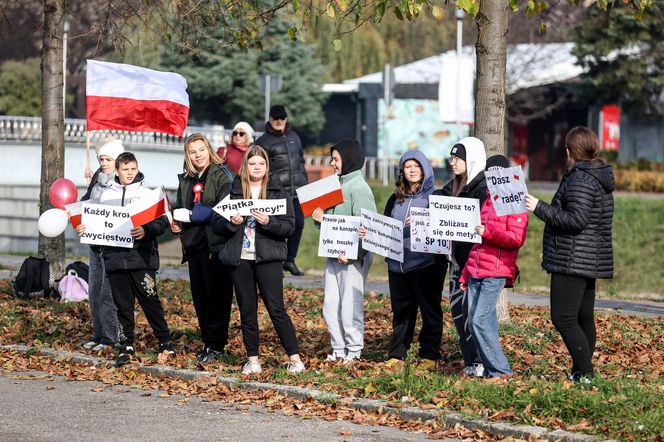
[(233, 152)]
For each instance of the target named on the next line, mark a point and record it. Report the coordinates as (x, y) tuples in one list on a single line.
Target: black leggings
[(572, 313)]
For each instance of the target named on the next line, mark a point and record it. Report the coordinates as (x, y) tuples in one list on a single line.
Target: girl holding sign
[(202, 185), (343, 307), (491, 266), (418, 281), (467, 159), (255, 248), (577, 245)]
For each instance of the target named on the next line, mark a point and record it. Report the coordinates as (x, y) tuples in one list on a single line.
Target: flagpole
[(87, 156)]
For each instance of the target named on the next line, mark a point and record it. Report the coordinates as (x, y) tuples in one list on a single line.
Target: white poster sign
[(106, 225), (338, 236), (228, 207), (384, 235), (421, 238), (454, 218), (507, 190)]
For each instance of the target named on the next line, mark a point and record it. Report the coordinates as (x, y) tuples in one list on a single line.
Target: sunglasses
[(240, 134), (278, 118)]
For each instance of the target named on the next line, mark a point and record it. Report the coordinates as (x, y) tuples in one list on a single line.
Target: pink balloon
[(63, 191)]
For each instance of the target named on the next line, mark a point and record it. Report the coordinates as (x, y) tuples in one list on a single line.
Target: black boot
[(292, 268)]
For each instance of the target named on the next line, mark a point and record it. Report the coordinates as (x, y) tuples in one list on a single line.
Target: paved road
[(52, 409), (9, 265)]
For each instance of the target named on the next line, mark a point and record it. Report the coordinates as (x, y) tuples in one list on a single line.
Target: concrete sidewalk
[(9, 265)]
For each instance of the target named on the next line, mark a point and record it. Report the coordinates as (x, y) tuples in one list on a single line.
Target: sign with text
[(106, 225), (338, 236), (507, 190), (384, 235), (454, 218), (421, 238), (228, 207)]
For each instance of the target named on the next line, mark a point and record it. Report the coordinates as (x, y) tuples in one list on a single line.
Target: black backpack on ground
[(34, 279), (78, 268)]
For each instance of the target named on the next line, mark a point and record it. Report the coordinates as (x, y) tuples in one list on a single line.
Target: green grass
[(638, 238)]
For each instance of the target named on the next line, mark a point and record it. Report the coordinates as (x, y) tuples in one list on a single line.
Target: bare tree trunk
[(491, 48), (53, 141)]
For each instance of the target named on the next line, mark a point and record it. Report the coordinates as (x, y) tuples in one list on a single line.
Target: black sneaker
[(213, 355), (124, 357), (292, 268), (167, 347), (200, 356)]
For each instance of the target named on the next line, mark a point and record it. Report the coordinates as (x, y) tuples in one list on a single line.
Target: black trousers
[(423, 289), (268, 277), (212, 293), (293, 241), (572, 313), (138, 285)]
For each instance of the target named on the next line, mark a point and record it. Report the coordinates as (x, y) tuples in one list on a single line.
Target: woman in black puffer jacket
[(255, 247), (577, 245)]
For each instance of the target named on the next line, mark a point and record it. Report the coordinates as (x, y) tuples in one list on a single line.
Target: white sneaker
[(296, 367), (348, 359), (469, 370), (334, 357), (99, 347), (479, 370), (251, 367), (90, 345)]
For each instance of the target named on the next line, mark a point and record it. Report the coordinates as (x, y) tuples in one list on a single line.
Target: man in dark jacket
[(284, 148)]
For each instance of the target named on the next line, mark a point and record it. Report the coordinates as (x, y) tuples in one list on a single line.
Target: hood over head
[(475, 156), (599, 170), (352, 155), (428, 181)]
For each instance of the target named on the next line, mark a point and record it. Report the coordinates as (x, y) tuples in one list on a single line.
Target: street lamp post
[(64, 64), (458, 13)]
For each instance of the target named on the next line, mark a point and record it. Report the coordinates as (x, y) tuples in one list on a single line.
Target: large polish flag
[(149, 207), (324, 193), (125, 97)]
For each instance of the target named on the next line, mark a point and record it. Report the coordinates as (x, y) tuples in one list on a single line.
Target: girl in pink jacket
[(490, 267)]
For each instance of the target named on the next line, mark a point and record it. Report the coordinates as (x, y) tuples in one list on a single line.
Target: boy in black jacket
[(132, 271)]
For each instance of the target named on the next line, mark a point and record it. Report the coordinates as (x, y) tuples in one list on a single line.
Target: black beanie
[(496, 162), (458, 150), (352, 155)]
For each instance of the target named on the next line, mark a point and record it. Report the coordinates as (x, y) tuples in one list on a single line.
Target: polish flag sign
[(75, 212), (125, 97), (324, 193), (149, 207)]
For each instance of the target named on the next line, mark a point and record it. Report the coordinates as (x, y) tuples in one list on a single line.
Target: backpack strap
[(229, 175)]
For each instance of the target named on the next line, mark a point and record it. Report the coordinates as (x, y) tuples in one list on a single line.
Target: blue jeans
[(483, 323), (102, 308)]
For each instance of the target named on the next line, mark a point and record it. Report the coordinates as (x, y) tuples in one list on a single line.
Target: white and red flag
[(151, 206), (74, 211), (125, 97), (323, 193)]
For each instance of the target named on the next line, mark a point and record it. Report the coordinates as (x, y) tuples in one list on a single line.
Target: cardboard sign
[(228, 207), (106, 225), (338, 236), (454, 218), (507, 190), (384, 235), (324, 193), (421, 238)]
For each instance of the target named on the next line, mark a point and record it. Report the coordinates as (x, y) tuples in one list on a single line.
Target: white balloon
[(52, 222)]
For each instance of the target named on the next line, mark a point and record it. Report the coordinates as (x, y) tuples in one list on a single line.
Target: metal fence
[(29, 129)]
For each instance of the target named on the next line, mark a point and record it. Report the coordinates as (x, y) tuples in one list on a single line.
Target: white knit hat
[(111, 149), (247, 129)]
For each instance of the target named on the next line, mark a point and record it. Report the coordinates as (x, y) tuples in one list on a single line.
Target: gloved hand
[(182, 215), (201, 213)]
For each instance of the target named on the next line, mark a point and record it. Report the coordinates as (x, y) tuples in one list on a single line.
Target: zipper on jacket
[(124, 189)]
